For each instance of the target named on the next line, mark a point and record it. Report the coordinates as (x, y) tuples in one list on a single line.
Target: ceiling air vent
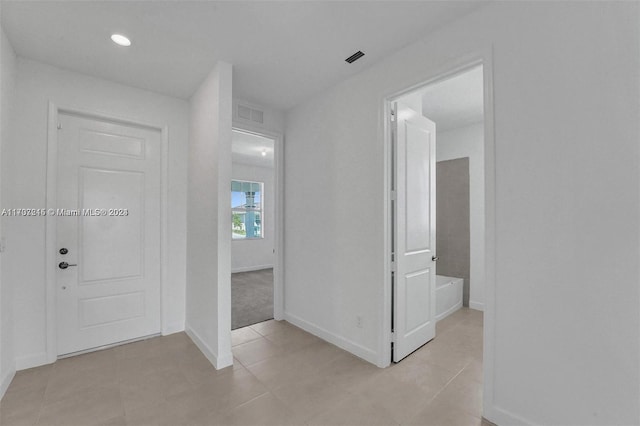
[(351, 59)]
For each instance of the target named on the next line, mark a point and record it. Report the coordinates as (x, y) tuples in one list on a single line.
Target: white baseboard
[(30, 361), (251, 268), (501, 417), (449, 311), (218, 362), (6, 381), (172, 328), (476, 305), (346, 344)]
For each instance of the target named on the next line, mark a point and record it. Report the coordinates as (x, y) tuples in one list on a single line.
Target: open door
[(414, 315)]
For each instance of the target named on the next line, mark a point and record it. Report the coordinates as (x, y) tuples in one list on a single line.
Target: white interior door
[(109, 181), (414, 231)]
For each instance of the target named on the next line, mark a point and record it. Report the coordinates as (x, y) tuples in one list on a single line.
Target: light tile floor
[(281, 376)]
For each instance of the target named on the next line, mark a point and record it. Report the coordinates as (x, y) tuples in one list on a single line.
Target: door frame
[(278, 166), (482, 57), (50, 221)]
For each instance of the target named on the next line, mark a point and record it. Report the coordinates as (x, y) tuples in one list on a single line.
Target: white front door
[(414, 231), (108, 232)]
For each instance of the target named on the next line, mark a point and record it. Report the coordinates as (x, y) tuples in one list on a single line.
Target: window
[(246, 209)]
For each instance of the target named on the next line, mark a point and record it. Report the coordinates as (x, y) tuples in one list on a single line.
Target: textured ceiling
[(452, 103)]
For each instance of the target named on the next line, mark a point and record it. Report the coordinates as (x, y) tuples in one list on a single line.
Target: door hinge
[(393, 115), (393, 195), (393, 336), (393, 266), (59, 126)]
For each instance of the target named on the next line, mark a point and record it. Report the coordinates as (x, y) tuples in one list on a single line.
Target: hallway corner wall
[(7, 98)]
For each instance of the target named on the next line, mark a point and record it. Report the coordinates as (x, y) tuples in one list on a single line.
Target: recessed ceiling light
[(121, 40), (264, 152)]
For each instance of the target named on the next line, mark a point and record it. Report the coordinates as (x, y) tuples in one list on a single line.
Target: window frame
[(244, 210)]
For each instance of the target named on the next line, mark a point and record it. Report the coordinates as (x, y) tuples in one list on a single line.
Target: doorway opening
[(438, 206), (255, 228), (440, 234)]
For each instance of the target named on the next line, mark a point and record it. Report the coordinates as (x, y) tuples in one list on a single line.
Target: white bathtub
[(448, 295)]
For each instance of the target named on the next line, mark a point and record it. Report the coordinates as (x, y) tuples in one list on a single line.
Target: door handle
[(65, 265), (434, 258)]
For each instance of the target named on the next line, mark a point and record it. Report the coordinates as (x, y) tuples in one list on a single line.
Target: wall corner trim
[(6, 381), (500, 416), (218, 362), (173, 328), (346, 344), (32, 360), (476, 305)]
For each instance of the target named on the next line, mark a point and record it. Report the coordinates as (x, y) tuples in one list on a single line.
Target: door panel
[(104, 310), (418, 209), (112, 144), (109, 185), (113, 246), (417, 293), (414, 231)]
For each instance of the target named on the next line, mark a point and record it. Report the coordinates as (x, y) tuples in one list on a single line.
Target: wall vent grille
[(244, 112), (250, 114)]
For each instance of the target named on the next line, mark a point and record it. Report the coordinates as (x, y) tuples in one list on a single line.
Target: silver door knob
[(65, 265), (434, 258)]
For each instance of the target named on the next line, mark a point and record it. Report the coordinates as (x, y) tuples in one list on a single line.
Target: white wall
[(251, 255), (566, 330), (463, 142), (7, 96), (24, 186), (209, 218)]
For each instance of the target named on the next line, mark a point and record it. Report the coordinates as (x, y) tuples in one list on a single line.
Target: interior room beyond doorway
[(438, 223), (253, 229), (455, 105)]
